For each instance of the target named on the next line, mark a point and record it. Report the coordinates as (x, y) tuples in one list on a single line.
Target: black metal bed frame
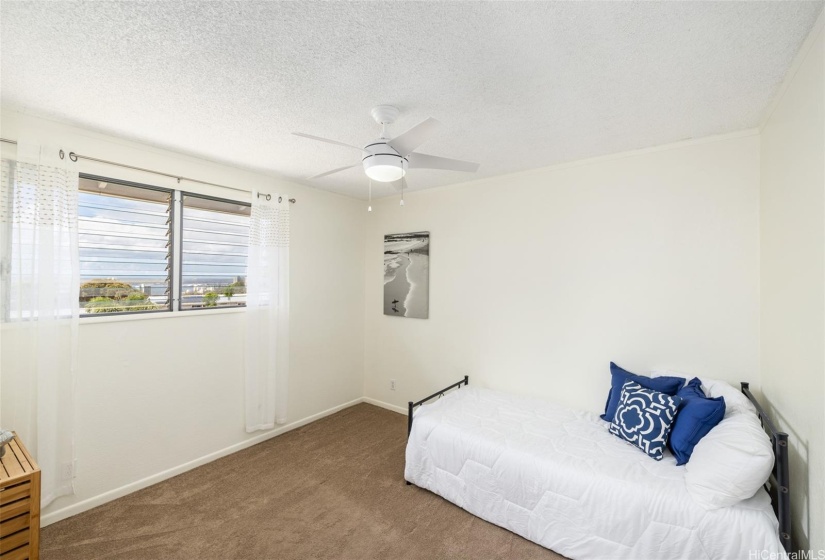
[(411, 406), (778, 485)]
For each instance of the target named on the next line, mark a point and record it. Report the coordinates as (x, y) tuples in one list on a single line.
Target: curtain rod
[(74, 157)]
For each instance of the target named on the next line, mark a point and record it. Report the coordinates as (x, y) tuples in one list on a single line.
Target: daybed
[(557, 477)]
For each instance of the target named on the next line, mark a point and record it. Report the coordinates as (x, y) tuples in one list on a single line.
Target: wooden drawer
[(14, 493), (19, 504), (14, 509), (13, 525), (10, 542), (21, 553)]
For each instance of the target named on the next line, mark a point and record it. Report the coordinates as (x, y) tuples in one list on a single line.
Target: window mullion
[(177, 249)]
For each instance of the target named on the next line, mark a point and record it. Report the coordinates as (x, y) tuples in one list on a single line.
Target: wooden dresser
[(19, 504)]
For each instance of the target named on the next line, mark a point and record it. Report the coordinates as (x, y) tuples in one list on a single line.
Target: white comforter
[(557, 477)]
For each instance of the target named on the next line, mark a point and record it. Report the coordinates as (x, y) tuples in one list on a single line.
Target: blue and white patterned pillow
[(644, 418)]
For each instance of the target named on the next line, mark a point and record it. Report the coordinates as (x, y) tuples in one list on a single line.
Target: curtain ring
[(280, 199), (62, 153), (72, 156)]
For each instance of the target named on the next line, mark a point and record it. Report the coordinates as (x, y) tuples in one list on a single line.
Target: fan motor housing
[(382, 163)]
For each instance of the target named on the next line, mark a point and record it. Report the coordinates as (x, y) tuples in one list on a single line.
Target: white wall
[(540, 279), (793, 283), (154, 394)]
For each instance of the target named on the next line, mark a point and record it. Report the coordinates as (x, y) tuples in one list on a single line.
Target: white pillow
[(735, 400), (734, 459)]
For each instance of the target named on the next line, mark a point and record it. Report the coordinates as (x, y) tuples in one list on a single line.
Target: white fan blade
[(434, 162), (324, 174), (327, 140), (405, 143)]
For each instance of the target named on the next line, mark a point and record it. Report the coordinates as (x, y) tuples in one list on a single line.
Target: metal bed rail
[(778, 485)]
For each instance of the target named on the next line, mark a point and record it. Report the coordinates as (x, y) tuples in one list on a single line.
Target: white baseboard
[(101, 499), (382, 404)]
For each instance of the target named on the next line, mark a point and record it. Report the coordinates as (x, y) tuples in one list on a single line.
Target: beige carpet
[(332, 489)]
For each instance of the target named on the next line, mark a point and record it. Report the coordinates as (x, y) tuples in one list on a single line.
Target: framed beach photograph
[(407, 274)]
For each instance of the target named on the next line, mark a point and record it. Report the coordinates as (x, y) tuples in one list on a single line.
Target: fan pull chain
[(403, 182), (369, 208)]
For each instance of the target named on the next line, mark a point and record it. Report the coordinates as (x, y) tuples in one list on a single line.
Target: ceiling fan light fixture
[(385, 168), (386, 159), (385, 173)]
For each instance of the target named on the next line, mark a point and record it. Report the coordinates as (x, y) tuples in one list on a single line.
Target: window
[(214, 252), (141, 247), (124, 233)]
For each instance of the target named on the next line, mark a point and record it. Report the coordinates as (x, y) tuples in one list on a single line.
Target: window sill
[(154, 316)]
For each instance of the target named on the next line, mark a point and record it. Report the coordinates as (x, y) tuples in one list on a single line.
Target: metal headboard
[(411, 406), (778, 485)]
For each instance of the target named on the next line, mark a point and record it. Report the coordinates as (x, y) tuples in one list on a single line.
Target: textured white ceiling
[(516, 85)]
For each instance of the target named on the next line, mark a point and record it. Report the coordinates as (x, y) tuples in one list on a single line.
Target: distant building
[(152, 289)]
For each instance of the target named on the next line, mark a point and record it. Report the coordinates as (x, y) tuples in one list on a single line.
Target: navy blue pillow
[(692, 389), (666, 385), (644, 418), (698, 415)]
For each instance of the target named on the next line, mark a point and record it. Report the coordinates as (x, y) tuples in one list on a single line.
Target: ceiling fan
[(387, 160)]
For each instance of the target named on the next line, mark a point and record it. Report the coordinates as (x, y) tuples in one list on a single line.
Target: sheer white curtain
[(267, 312), (39, 285)]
